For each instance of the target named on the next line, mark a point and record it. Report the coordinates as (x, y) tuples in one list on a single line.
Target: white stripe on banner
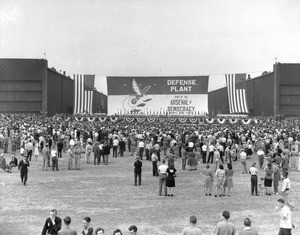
[(82, 93), (236, 97), (245, 101), (86, 101), (239, 105), (91, 108), (75, 93)]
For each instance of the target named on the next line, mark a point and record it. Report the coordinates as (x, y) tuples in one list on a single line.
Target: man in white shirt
[(243, 157), (162, 172), (115, 147), (211, 149), (260, 156), (286, 218), (141, 149), (54, 158)]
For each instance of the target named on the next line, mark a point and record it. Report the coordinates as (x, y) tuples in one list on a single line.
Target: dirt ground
[(108, 196)]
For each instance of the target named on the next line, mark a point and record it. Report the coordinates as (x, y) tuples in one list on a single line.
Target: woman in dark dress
[(170, 182)]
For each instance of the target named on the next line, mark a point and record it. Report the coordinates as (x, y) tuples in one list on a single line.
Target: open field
[(107, 194)]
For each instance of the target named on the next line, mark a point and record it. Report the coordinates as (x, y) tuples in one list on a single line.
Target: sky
[(152, 37)]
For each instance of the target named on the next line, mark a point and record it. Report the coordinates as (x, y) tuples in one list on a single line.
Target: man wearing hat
[(23, 168), (137, 171)]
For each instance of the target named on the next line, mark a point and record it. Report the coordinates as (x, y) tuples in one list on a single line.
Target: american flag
[(236, 93), (83, 95)]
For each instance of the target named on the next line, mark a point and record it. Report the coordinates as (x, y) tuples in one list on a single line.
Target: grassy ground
[(108, 196)]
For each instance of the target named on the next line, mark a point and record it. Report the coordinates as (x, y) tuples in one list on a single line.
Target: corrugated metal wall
[(21, 85), (60, 93)]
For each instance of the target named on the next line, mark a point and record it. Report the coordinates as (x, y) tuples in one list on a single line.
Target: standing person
[(52, 224), (268, 178), (70, 157), (88, 152), (154, 160), (209, 176), (211, 149), (106, 152), (253, 172), (87, 229), (162, 171), (137, 171), (286, 187), (29, 148), (191, 159), (243, 157), (97, 152), (122, 145), (192, 229), (141, 149), (77, 154), (220, 176), (204, 152), (225, 227), (46, 157), (23, 168), (66, 230), (132, 230), (170, 181), (228, 180), (276, 177), (60, 146), (286, 218), (36, 152), (260, 157), (115, 146), (183, 157), (157, 150), (54, 158), (247, 230)]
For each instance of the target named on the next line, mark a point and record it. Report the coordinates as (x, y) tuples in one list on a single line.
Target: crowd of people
[(275, 143)]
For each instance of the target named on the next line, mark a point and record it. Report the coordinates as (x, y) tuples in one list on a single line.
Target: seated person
[(12, 163)]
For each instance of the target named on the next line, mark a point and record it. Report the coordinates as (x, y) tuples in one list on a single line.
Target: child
[(261, 186)]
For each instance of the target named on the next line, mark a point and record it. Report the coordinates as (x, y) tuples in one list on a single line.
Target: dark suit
[(49, 228), (23, 167), (89, 232), (137, 171), (60, 146)]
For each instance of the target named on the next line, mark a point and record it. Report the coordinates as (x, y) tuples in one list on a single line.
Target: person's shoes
[(171, 195), (209, 194), (206, 194), (220, 195), (215, 195), (168, 195)]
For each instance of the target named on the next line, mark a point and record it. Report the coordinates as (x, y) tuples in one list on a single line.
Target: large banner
[(158, 95)]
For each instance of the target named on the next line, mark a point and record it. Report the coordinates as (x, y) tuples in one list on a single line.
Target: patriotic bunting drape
[(236, 93), (83, 94)]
